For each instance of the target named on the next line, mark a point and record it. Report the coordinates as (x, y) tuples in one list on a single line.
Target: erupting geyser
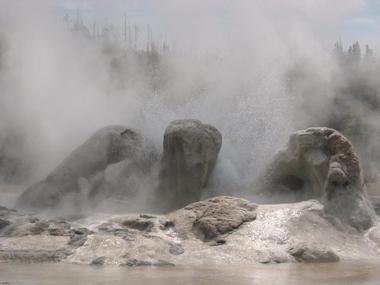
[(82, 172), (321, 163)]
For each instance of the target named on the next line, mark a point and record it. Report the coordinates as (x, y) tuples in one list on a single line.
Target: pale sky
[(362, 25)]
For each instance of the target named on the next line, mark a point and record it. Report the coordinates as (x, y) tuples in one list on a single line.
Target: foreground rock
[(321, 163), (213, 218), (314, 253), (27, 238), (190, 153), (81, 174), (221, 230)]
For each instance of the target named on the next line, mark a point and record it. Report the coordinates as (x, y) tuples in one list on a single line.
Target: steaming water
[(9, 194), (344, 272), (280, 274)]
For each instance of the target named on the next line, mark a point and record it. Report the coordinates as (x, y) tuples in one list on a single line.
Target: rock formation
[(212, 218), (190, 153), (319, 165), (314, 253), (81, 174), (134, 176), (321, 162), (220, 230)]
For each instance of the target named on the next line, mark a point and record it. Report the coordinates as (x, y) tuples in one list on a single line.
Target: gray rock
[(139, 224), (313, 253), (176, 249), (218, 242), (190, 153), (130, 178), (214, 217), (82, 172), (4, 223), (34, 256), (99, 261), (299, 172), (79, 236), (226, 230), (58, 228), (137, 262), (321, 163), (24, 226)]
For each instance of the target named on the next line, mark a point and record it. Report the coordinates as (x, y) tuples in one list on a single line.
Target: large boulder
[(190, 153), (321, 163), (213, 218), (82, 172)]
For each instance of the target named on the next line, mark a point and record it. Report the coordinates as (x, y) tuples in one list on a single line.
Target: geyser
[(320, 163), (190, 154), (82, 172)]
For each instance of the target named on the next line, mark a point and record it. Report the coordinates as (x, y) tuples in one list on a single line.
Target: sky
[(364, 24), (361, 25)]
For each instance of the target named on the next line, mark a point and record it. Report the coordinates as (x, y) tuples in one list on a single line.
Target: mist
[(256, 70)]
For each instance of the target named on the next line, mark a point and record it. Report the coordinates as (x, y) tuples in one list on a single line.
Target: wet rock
[(218, 242), (58, 228), (107, 227), (29, 225), (33, 248), (213, 217), (37, 228), (111, 247), (167, 225), (99, 260), (4, 223), (136, 262), (321, 163), (79, 236), (57, 231), (176, 249), (221, 215), (118, 229), (190, 153), (147, 216), (126, 235), (33, 256), (82, 172), (226, 230), (139, 224), (23, 227), (313, 253)]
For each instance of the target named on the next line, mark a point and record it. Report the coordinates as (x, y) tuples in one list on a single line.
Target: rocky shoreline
[(323, 212), (220, 230)]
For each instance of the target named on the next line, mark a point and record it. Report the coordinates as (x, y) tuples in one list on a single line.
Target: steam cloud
[(231, 65)]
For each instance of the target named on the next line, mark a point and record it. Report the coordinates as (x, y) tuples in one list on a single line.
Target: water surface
[(282, 274)]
